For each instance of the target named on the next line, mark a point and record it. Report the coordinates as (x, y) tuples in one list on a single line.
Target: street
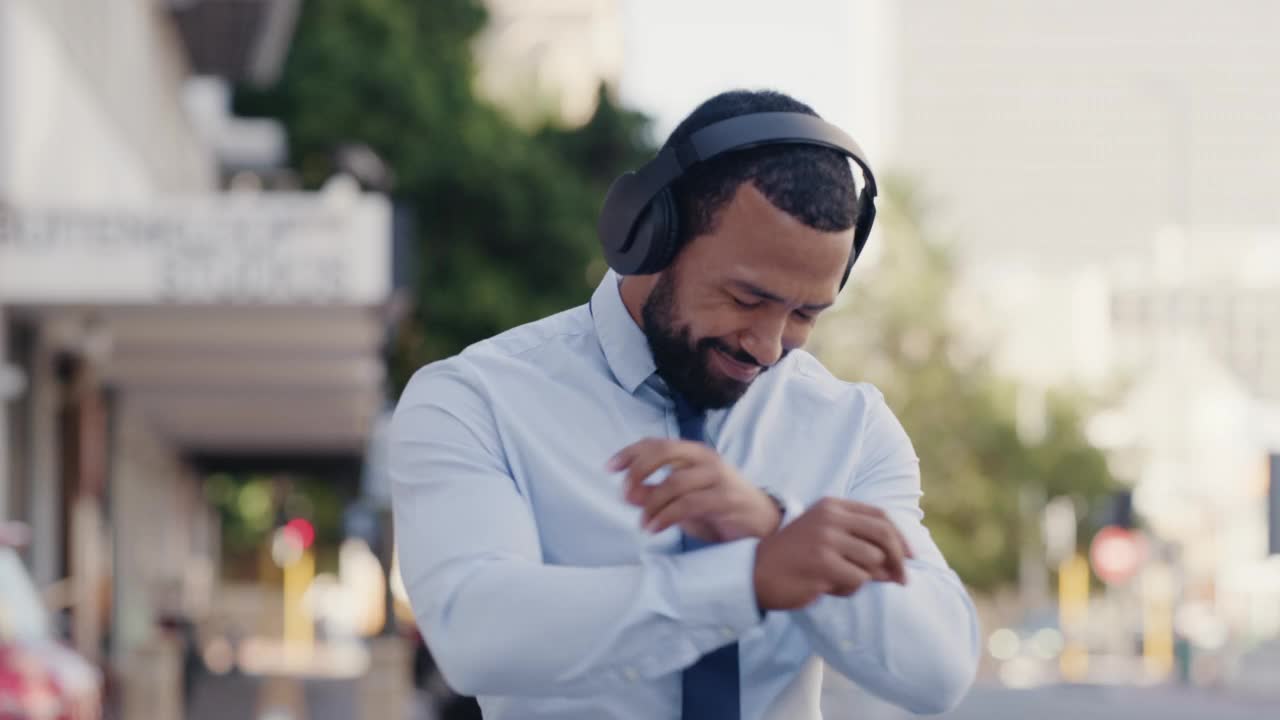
[(841, 701), (243, 698), (240, 697)]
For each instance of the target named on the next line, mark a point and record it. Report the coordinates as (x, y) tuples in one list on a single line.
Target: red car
[(40, 679)]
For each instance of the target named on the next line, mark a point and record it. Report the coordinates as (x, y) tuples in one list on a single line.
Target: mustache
[(739, 355)]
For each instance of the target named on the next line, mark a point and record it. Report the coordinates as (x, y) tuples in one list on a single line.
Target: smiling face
[(738, 298)]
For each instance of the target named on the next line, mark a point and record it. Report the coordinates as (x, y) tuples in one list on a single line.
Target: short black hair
[(813, 184)]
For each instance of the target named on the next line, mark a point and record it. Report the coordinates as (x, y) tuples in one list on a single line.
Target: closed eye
[(744, 304)]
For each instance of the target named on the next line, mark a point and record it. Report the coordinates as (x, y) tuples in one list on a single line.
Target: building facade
[(152, 321)]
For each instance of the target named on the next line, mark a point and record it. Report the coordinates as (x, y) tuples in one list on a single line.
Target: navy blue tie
[(710, 685)]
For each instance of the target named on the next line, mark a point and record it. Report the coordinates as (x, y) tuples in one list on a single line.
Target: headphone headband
[(775, 128), (637, 225)]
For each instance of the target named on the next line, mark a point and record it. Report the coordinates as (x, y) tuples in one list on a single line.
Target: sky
[(680, 52)]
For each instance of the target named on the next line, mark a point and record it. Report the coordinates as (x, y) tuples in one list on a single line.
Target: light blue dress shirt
[(538, 591)]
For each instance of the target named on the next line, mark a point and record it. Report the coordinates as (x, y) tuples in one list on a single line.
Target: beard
[(682, 362)]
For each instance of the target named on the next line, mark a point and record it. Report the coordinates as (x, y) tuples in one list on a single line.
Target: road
[(238, 697), (241, 698), (843, 702)]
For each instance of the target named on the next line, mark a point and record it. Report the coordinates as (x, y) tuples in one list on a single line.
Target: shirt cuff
[(716, 585)]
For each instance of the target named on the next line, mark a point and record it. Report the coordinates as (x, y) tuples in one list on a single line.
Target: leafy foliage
[(895, 330), (504, 218)]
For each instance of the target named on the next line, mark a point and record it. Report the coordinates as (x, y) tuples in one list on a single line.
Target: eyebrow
[(766, 295)]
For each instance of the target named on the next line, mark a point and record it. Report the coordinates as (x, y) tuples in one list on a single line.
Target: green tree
[(504, 218), (894, 330)]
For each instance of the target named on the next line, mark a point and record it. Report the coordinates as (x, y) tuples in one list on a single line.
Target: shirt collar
[(624, 344)]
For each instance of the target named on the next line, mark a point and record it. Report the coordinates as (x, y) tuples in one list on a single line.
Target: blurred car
[(40, 679), (1027, 655)]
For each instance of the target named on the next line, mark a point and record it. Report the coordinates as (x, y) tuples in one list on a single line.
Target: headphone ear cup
[(656, 234)]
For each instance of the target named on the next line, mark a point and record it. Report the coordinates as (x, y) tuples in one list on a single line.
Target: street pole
[(1033, 573), (1073, 616), (299, 632), (1157, 619), (1031, 425)]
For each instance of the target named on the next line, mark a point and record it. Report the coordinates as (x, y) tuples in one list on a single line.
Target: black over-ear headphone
[(638, 225)]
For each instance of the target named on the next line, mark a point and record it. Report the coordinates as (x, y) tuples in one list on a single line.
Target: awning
[(235, 324), (241, 40), (241, 379)]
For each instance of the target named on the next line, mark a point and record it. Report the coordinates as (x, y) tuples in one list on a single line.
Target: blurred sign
[(1116, 554), (327, 247)]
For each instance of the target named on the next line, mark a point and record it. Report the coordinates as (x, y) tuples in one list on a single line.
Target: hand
[(834, 548), (704, 495)]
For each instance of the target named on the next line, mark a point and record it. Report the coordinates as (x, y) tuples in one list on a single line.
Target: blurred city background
[(231, 229)]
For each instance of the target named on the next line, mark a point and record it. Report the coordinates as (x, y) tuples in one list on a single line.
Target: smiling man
[(657, 505)]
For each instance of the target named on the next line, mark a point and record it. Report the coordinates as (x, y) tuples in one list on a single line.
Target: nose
[(764, 340)]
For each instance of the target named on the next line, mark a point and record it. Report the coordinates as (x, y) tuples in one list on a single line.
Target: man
[(656, 505)]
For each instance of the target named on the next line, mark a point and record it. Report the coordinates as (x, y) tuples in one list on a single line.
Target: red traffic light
[(303, 530)]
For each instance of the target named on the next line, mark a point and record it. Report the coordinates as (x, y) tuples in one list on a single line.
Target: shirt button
[(846, 645), (631, 674), (727, 632)]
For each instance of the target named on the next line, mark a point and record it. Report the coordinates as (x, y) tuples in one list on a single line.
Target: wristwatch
[(778, 503)]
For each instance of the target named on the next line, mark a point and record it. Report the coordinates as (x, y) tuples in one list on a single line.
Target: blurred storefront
[(149, 318)]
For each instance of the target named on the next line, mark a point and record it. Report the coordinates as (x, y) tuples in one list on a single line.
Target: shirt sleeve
[(915, 645), (497, 618)]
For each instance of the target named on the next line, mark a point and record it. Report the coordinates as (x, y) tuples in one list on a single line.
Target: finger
[(902, 544), (677, 485), (880, 513), (865, 555), (628, 454), (883, 535), (870, 523), (844, 577), (642, 469), (638, 495), (684, 508), (906, 546), (641, 461), (655, 453)]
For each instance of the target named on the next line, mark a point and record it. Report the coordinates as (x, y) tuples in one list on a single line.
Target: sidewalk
[(241, 697)]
